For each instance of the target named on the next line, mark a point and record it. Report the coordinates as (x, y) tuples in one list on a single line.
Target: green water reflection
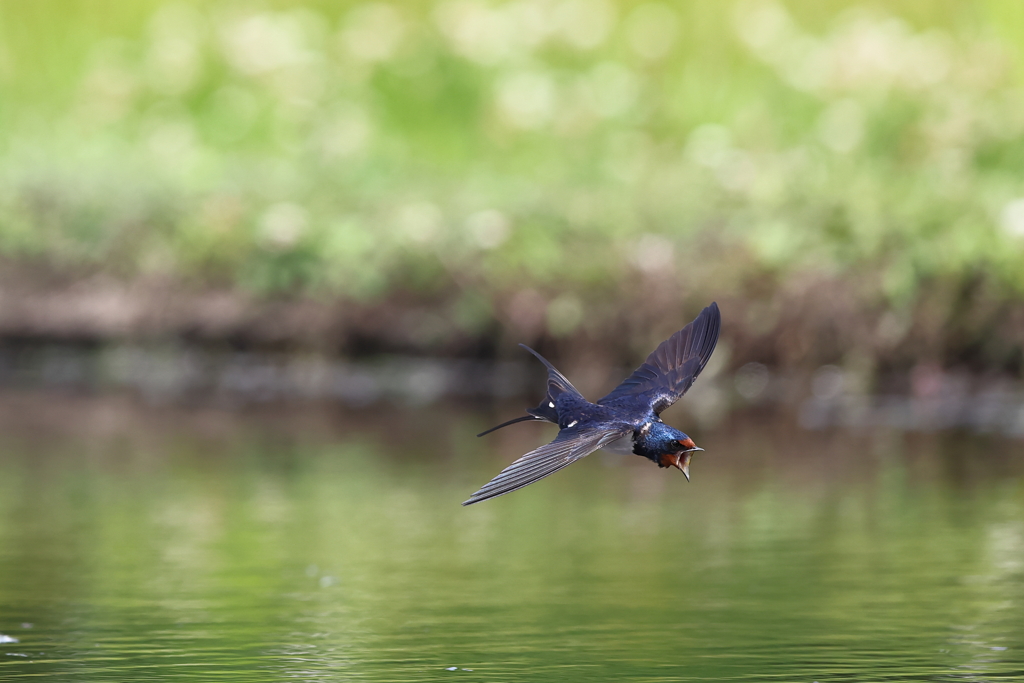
[(331, 546)]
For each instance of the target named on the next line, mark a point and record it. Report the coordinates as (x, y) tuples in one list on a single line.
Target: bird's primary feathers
[(625, 421)]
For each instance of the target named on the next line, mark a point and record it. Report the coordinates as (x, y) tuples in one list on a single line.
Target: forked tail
[(546, 410)]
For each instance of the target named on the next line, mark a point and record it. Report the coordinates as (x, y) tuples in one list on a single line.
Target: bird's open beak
[(683, 463)]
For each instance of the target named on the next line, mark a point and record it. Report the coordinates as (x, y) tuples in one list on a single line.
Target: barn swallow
[(624, 422)]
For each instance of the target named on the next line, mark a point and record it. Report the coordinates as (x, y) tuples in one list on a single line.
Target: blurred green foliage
[(363, 149)]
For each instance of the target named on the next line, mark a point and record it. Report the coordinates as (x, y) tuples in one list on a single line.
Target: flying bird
[(626, 421)]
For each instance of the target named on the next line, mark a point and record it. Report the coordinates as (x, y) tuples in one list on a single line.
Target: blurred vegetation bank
[(847, 180)]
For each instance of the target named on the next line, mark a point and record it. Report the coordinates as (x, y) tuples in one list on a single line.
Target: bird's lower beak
[(683, 462)]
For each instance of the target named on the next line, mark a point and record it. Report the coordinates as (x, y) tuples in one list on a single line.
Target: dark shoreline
[(177, 375), (792, 330)]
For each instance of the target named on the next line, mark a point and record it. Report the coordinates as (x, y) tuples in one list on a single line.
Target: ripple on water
[(267, 553)]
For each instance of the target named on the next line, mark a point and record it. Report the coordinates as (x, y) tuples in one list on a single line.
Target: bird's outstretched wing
[(569, 446), (671, 368)]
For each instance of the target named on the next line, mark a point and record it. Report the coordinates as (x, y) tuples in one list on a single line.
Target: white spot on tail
[(551, 404), (572, 424)]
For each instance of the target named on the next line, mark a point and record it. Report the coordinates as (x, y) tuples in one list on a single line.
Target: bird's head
[(674, 448)]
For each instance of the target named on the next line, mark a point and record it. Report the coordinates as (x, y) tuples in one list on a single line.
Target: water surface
[(317, 544)]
